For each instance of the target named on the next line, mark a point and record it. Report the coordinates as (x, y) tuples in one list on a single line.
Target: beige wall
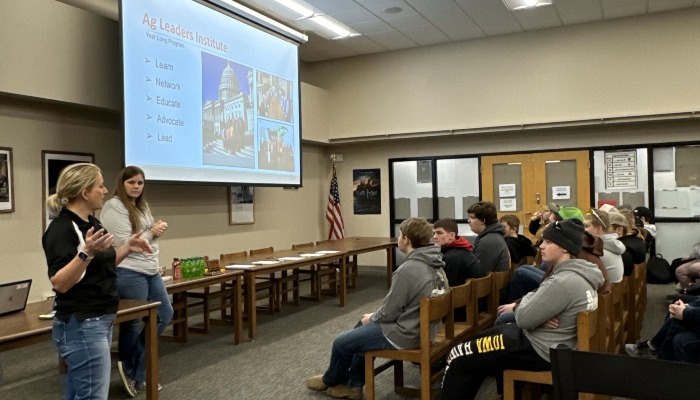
[(198, 215), (54, 51), (633, 66)]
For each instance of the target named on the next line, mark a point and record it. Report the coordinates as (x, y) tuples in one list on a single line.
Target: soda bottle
[(177, 274)]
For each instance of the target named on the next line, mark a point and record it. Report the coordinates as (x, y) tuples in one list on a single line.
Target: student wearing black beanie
[(544, 318)]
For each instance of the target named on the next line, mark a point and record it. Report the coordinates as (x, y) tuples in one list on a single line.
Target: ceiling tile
[(362, 45), (578, 11), (491, 16), (407, 21), (457, 27), (335, 6), (366, 28), (425, 34), (392, 40), (355, 16), (623, 8), (537, 18)]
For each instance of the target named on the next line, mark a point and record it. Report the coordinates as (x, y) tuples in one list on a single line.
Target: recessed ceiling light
[(515, 5), (393, 10)]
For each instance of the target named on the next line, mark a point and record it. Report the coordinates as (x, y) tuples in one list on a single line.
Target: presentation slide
[(207, 97)]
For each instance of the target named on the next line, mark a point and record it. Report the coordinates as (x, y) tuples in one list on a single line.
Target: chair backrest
[(302, 245), (482, 287), (575, 372), (432, 309), (501, 279), (213, 265), (462, 294), (227, 259), (264, 250), (587, 331), (606, 322)]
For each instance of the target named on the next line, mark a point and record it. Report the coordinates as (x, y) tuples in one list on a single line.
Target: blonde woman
[(82, 269)]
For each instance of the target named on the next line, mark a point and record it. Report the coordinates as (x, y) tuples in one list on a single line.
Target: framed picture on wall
[(241, 205), (7, 192), (53, 163)]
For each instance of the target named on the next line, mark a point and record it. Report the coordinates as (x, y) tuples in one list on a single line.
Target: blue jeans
[(525, 279), (675, 343), (347, 366), (132, 339), (84, 345)]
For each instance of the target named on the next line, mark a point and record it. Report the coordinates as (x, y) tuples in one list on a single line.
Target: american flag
[(333, 214)]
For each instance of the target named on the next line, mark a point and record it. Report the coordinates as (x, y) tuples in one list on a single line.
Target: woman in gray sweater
[(396, 324), (138, 275)]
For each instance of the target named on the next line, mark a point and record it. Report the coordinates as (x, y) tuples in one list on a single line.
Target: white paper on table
[(328, 251), (239, 266), (291, 258), (265, 262), (307, 255)]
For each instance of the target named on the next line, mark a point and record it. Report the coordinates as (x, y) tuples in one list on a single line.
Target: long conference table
[(285, 260), (25, 328)]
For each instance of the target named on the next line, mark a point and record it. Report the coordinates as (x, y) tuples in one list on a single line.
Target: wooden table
[(179, 287), (25, 328), (344, 248)]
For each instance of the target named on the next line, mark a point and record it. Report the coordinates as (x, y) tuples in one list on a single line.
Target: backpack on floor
[(658, 270)]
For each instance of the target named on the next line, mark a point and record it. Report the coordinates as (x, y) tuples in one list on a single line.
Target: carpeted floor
[(291, 346)]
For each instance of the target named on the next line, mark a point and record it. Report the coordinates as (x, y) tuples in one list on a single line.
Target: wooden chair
[(261, 285), (351, 267), (577, 372), (281, 280), (501, 279), (620, 314), (637, 301), (461, 297), (588, 331), (316, 274), (484, 302), (432, 309), (607, 322)]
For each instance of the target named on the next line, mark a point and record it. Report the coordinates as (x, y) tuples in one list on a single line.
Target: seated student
[(679, 336), (489, 247), (597, 223), (635, 249), (544, 319), (396, 324), (519, 246), (689, 270), (540, 220), (460, 262), (528, 278)]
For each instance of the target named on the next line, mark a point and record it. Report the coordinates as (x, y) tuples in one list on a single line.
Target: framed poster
[(53, 163), (241, 205), (367, 191), (7, 193)]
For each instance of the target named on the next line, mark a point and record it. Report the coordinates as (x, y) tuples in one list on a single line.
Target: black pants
[(490, 353)]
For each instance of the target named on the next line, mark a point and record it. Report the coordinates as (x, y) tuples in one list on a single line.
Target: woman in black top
[(82, 269)]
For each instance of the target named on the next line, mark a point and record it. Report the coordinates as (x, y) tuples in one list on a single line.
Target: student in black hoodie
[(457, 253), (519, 246)]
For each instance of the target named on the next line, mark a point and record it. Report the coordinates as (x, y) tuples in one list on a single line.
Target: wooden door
[(523, 184)]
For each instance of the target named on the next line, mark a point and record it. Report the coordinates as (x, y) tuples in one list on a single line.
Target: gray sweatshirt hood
[(611, 244), (583, 268), (430, 255)]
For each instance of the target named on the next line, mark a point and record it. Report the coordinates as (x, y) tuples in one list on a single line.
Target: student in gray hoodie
[(544, 319), (396, 324), (597, 223)]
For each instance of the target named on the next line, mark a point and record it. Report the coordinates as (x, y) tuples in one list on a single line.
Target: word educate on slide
[(184, 33)]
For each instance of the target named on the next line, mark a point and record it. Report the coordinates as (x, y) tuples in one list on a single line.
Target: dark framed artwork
[(241, 204), (424, 171), (7, 192), (53, 163), (367, 191)]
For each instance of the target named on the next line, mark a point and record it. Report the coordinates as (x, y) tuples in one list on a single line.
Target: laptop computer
[(13, 296)]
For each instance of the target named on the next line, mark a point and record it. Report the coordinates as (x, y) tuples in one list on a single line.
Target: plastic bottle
[(177, 274)]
